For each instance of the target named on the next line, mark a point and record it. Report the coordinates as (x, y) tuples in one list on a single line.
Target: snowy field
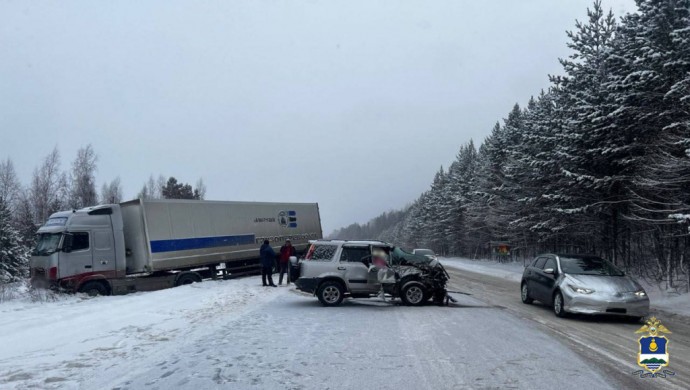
[(238, 335), (678, 304)]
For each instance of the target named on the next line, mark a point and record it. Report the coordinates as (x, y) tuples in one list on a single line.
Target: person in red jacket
[(286, 251)]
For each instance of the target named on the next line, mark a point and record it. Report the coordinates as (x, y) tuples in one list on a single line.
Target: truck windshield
[(46, 243)]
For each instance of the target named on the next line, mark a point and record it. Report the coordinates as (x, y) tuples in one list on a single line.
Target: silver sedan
[(582, 284)]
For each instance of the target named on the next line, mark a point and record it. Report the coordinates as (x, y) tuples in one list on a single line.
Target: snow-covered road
[(609, 343), (238, 335)]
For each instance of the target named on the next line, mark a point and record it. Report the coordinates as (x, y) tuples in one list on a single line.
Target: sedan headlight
[(581, 290), (640, 294)]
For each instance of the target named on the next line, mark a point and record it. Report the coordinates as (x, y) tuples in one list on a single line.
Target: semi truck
[(146, 245)]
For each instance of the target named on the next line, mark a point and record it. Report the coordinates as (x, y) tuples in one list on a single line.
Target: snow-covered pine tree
[(461, 179), (14, 256), (592, 177), (10, 188), (439, 204), (478, 230), (499, 181), (652, 89), (541, 199)]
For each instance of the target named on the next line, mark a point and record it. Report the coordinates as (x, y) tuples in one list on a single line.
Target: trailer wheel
[(413, 294), (330, 293), (187, 278), (94, 288)]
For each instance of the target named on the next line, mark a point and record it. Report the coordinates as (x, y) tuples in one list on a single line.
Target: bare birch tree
[(83, 180)]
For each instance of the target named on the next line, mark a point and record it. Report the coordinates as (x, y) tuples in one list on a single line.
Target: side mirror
[(549, 271), (67, 243)]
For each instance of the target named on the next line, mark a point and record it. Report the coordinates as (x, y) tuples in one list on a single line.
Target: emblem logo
[(653, 354), (287, 218)]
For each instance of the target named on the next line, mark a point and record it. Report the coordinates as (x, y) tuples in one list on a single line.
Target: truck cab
[(80, 250)]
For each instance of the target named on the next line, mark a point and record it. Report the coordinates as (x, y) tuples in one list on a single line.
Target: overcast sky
[(351, 104)]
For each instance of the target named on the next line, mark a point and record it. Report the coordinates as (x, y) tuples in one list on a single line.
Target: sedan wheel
[(524, 294), (558, 305)]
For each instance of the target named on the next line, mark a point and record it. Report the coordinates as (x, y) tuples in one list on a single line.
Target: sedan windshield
[(589, 266), (46, 243)]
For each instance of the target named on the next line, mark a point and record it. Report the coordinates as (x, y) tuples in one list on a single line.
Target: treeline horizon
[(598, 163)]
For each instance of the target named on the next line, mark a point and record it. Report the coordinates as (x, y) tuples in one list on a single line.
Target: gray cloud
[(354, 105)]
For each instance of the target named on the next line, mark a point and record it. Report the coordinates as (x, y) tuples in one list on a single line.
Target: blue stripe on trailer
[(292, 213), (184, 244), (293, 225)]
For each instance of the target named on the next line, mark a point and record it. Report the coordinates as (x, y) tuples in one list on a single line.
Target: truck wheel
[(93, 289), (187, 279), (331, 293), (413, 293)]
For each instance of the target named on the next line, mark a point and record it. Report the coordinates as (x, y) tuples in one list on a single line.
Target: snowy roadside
[(237, 334), (60, 344), (661, 300)]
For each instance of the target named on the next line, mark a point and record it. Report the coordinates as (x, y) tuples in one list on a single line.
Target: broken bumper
[(308, 285)]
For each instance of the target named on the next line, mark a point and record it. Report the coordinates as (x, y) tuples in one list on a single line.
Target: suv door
[(353, 263)]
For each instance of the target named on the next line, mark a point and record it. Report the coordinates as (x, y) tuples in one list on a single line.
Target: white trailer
[(144, 245)]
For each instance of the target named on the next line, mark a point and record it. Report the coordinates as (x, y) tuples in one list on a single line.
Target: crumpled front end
[(435, 278)]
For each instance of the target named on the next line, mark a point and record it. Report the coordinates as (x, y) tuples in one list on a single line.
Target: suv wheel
[(413, 294), (331, 293)]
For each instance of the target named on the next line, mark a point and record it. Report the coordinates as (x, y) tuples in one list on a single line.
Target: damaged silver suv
[(335, 269)]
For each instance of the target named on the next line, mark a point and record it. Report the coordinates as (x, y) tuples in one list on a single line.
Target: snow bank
[(510, 271), (49, 345)]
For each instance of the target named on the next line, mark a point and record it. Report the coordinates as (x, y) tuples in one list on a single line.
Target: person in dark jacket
[(267, 258), (286, 251)]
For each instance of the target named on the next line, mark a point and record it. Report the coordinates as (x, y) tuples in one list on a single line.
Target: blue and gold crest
[(653, 352)]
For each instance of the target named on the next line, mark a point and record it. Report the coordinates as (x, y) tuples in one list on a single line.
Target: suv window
[(540, 263), (321, 252), (355, 255)]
